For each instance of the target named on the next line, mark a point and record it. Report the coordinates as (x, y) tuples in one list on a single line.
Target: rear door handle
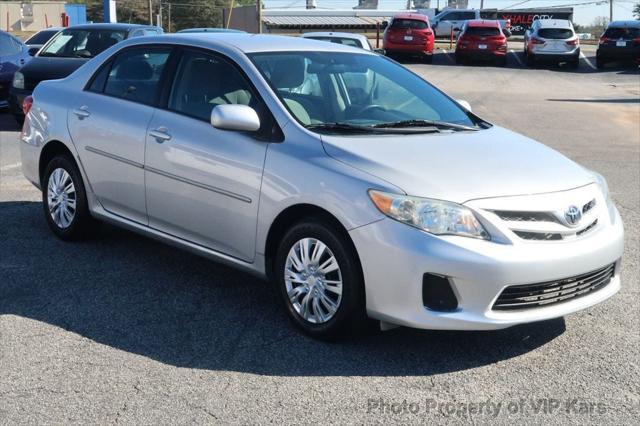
[(160, 134), (82, 112)]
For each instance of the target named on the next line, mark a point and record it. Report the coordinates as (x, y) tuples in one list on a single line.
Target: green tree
[(636, 10)]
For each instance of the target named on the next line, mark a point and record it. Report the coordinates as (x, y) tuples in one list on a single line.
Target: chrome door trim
[(199, 185), (114, 157)]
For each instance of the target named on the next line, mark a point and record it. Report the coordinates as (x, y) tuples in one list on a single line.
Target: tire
[(600, 62), (427, 59), (459, 60), (531, 60), (502, 62), (77, 224), (574, 64), (19, 119), (309, 283)]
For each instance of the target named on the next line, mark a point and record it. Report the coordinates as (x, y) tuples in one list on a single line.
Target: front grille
[(517, 297), (546, 226)]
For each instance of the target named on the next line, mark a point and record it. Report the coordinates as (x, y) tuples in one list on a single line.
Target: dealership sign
[(521, 20)]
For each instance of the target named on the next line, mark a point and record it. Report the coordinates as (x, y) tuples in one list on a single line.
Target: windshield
[(555, 33), (81, 43), (339, 40), (42, 37), (322, 88)]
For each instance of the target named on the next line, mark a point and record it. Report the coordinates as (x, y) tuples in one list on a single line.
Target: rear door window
[(555, 33), (135, 74), (8, 46)]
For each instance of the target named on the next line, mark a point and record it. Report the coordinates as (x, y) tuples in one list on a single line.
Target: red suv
[(409, 33), (482, 39)]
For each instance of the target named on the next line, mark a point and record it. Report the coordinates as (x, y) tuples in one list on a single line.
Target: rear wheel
[(320, 281), (502, 61), (19, 118), (600, 62), (574, 63), (531, 60), (64, 200), (427, 58)]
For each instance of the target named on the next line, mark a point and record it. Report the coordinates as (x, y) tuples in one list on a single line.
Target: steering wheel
[(369, 108)]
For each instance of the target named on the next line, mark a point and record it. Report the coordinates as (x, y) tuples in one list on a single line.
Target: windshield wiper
[(355, 128), (423, 123)]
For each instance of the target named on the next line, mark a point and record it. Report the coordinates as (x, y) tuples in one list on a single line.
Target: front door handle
[(160, 134), (82, 112)]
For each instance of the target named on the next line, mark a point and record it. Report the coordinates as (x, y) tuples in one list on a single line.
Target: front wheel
[(64, 200), (320, 281)]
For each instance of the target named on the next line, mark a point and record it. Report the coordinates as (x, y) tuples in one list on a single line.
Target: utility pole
[(259, 16), (150, 12), (481, 4), (610, 10), (169, 23)]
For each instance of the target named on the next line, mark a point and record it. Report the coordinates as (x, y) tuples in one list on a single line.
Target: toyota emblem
[(573, 215)]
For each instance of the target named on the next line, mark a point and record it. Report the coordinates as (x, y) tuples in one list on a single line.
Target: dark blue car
[(13, 55)]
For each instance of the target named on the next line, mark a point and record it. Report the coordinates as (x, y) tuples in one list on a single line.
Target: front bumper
[(395, 256)]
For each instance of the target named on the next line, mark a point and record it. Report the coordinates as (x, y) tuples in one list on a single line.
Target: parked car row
[(548, 40)]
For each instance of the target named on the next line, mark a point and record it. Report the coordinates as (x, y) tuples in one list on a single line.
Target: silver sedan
[(360, 190)]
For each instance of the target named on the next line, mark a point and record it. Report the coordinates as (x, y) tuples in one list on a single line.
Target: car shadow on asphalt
[(146, 298)]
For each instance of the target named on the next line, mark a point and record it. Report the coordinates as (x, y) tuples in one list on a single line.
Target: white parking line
[(10, 167), (447, 55), (515, 55), (587, 61)]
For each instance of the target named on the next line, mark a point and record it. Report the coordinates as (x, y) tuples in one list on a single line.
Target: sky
[(583, 15)]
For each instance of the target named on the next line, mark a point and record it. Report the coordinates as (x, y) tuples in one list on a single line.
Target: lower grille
[(529, 296)]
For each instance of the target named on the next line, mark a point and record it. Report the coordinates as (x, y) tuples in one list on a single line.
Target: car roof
[(624, 24), (333, 34), (248, 43), (485, 23), (210, 30), (555, 23), (109, 26), (416, 16)]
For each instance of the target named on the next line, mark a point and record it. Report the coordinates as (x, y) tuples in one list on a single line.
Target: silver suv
[(361, 190), (552, 40)]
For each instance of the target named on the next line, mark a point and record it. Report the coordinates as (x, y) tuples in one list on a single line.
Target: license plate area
[(482, 46), (621, 43), (408, 38)]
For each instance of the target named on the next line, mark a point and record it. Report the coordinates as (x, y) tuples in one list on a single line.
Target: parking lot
[(125, 329)]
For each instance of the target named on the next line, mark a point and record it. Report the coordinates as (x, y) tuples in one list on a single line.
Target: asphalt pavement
[(123, 329)]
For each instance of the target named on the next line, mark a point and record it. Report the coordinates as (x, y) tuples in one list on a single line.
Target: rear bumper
[(617, 53), (561, 56), (480, 53), (426, 48)]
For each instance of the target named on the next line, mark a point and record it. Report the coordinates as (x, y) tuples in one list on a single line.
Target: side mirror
[(456, 29), (235, 117), (507, 33), (33, 50), (464, 104)]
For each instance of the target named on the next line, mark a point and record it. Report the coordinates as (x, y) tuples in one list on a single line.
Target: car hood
[(44, 68), (460, 166)]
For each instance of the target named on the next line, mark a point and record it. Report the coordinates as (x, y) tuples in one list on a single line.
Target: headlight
[(434, 216), (18, 80)]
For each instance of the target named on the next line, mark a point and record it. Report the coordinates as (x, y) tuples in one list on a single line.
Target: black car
[(620, 42), (39, 39), (66, 52)]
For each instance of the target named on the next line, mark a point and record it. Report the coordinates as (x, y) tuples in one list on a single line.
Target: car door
[(13, 54), (203, 183), (108, 124)]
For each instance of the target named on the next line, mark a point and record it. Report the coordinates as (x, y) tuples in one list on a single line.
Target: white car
[(553, 40), (348, 39)]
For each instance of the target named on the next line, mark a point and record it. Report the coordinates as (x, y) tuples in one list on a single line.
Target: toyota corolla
[(361, 191)]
